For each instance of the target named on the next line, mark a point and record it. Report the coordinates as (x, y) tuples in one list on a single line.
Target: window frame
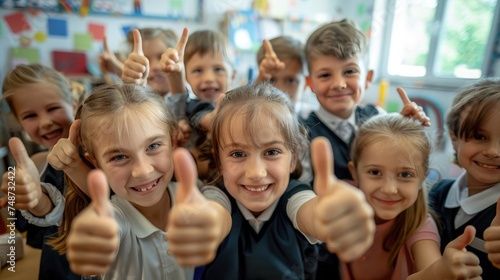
[(429, 79)]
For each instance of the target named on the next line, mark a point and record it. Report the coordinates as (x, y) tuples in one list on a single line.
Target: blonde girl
[(390, 157)]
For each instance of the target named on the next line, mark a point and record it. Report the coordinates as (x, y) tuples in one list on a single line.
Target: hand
[(136, 67), (270, 64), (343, 219), (64, 155), (27, 190), (184, 132), (108, 62), (492, 238), (206, 121), (172, 60), (460, 263), (93, 238), (411, 109), (195, 229)]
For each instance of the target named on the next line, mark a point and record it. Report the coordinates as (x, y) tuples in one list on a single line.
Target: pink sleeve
[(428, 231)]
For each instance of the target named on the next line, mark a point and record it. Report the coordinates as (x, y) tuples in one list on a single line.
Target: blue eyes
[(238, 154)]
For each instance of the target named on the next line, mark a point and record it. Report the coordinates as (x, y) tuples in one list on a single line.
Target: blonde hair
[(471, 106), (208, 41), (408, 134), (254, 101), (341, 39), (285, 47), (24, 75), (108, 106)]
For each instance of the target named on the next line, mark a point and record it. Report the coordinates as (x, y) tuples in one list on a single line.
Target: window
[(439, 42)]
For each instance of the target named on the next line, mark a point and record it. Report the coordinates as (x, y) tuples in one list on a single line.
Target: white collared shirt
[(333, 122), (142, 253), (458, 196)]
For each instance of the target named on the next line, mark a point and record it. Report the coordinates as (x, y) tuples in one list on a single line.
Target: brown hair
[(205, 41), (107, 106), (167, 35), (407, 134), (342, 39), (285, 47), (24, 75), (471, 106), (254, 101)]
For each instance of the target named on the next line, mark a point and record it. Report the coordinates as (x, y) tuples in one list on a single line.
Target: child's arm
[(64, 156), (269, 65), (136, 67), (492, 238), (197, 226), (456, 262), (339, 215), (172, 62), (93, 238), (24, 183), (411, 109)]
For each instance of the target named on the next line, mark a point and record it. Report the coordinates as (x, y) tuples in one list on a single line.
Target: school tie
[(344, 131)]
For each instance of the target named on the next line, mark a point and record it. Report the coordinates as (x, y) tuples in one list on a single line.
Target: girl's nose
[(256, 169), (142, 168), (390, 186)]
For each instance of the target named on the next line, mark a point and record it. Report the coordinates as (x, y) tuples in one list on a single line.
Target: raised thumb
[(322, 163), (19, 153), (99, 193), (187, 176), (137, 42), (463, 240)]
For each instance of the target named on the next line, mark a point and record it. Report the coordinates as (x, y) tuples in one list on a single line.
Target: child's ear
[(309, 83), (369, 78), (454, 139), (352, 169), (233, 76)]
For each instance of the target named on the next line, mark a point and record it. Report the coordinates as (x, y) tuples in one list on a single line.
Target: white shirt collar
[(142, 226), (258, 222), (459, 196), (332, 121)]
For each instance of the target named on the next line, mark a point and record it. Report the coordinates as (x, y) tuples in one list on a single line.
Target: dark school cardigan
[(446, 216), (341, 150), (278, 251)]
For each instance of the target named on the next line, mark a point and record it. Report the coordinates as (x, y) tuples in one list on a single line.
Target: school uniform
[(267, 247), (41, 230), (323, 123), (142, 253), (455, 210)]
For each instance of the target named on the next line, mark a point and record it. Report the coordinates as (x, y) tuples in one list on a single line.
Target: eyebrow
[(242, 146)]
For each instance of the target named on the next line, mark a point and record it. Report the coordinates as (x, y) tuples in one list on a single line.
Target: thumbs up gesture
[(270, 64), (459, 263), (93, 238), (172, 62), (342, 218), (196, 226), (108, 62), (136, 67), (411, 109), (24, 184), (64, 155), (492, 238)]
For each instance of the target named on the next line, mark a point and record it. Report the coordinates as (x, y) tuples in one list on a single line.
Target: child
[(472, 199), (257, 139), (281, 61), (335, 56), (41, 100), (127, 132), (155, 43), (390, 156)]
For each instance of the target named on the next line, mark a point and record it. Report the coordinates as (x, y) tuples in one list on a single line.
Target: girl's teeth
[(261, 189), (146, 189), (488, 166)]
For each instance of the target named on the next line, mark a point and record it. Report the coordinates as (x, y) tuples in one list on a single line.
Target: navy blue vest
[(278, 251), (446, 216), (340, 149)]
